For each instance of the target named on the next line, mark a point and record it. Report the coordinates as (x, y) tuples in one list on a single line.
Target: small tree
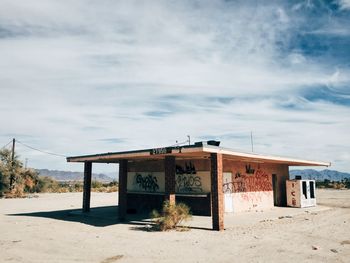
[(14, 179), (10, 172)]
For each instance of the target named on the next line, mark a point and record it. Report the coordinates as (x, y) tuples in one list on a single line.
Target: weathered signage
[(163, 150)]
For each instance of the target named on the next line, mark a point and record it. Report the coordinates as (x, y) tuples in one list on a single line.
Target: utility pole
[(12, 177), (189, 139), (251, 140), (13, 150), (26, 163)]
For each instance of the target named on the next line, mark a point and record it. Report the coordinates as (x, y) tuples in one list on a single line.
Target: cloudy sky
[(81, 77)]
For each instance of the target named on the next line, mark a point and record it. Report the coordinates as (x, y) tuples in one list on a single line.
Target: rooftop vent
[(210, 142)]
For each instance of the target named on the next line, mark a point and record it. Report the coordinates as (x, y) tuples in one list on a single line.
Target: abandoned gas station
[(210, 179)]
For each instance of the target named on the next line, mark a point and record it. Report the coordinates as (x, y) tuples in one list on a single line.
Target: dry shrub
[(338, 186), (17, 192), (112, 189), (63, 190), (105, 189), (171, 217)]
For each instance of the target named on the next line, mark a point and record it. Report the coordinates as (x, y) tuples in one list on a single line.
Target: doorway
[(228, 192), (275, 189)]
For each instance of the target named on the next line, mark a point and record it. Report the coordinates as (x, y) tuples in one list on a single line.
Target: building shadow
[(101, 217), (98, 216)]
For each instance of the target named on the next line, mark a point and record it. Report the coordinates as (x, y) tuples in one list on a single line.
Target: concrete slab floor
[(232, 220)]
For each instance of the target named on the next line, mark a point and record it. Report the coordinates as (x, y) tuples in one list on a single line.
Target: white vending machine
[(301, 193)]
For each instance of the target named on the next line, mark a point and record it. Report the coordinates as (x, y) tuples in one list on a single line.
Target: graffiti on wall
[(188, 183), (260, 181), (189, 168), (256, 198), (233, 187), (187, 180), (294, 201), (249, 169), (147, 183)]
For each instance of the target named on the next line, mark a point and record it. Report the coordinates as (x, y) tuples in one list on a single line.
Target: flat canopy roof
[(192, 152)]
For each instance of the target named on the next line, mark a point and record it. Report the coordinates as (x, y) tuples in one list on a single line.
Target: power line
[(36, 149), (6, 145)]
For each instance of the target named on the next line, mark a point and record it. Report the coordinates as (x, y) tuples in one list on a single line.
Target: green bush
[(96, 184), (46, 184), (171, 216)]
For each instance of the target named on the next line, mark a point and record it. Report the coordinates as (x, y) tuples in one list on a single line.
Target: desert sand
[(51, 228)]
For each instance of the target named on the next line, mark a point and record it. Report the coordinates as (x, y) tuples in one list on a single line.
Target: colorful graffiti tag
[(260, 181)]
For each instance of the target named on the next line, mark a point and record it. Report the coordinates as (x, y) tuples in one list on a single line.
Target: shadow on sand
[(98, 216)]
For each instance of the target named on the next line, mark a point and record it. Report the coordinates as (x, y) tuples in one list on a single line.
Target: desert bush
[(111, 189), (46, 184), (346, 182), (10, 173), (339, 186), (171, 216), (3, 184), (96, 184)]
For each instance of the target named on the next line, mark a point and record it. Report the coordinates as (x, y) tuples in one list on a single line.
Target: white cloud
[(344, 4), (74, 73)]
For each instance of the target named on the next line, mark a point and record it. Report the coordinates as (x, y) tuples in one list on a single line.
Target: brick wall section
[(217, 198), (87, 186), (122, 197), (170, 170)]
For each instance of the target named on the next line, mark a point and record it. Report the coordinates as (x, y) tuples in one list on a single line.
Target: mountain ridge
[(312, 174), (63, 176)]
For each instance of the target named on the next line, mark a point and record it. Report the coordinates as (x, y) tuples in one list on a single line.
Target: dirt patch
[(112, 259), (45, 228)]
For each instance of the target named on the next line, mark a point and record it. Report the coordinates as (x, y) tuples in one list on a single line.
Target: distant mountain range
[(72, 176), (331, 175)]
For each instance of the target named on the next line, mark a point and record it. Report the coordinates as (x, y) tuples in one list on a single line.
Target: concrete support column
[(87, 186), (122, 191), (217, 196), (170, 170)]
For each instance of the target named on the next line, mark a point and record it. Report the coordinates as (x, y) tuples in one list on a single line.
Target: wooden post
[(13, 176), (122, 189), (170, 170), (87, 186), (217, 197)]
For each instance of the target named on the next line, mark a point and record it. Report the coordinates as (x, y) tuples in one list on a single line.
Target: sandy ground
[(51, 229)]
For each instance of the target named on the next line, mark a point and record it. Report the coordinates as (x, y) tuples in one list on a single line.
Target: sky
[(83, 77)]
